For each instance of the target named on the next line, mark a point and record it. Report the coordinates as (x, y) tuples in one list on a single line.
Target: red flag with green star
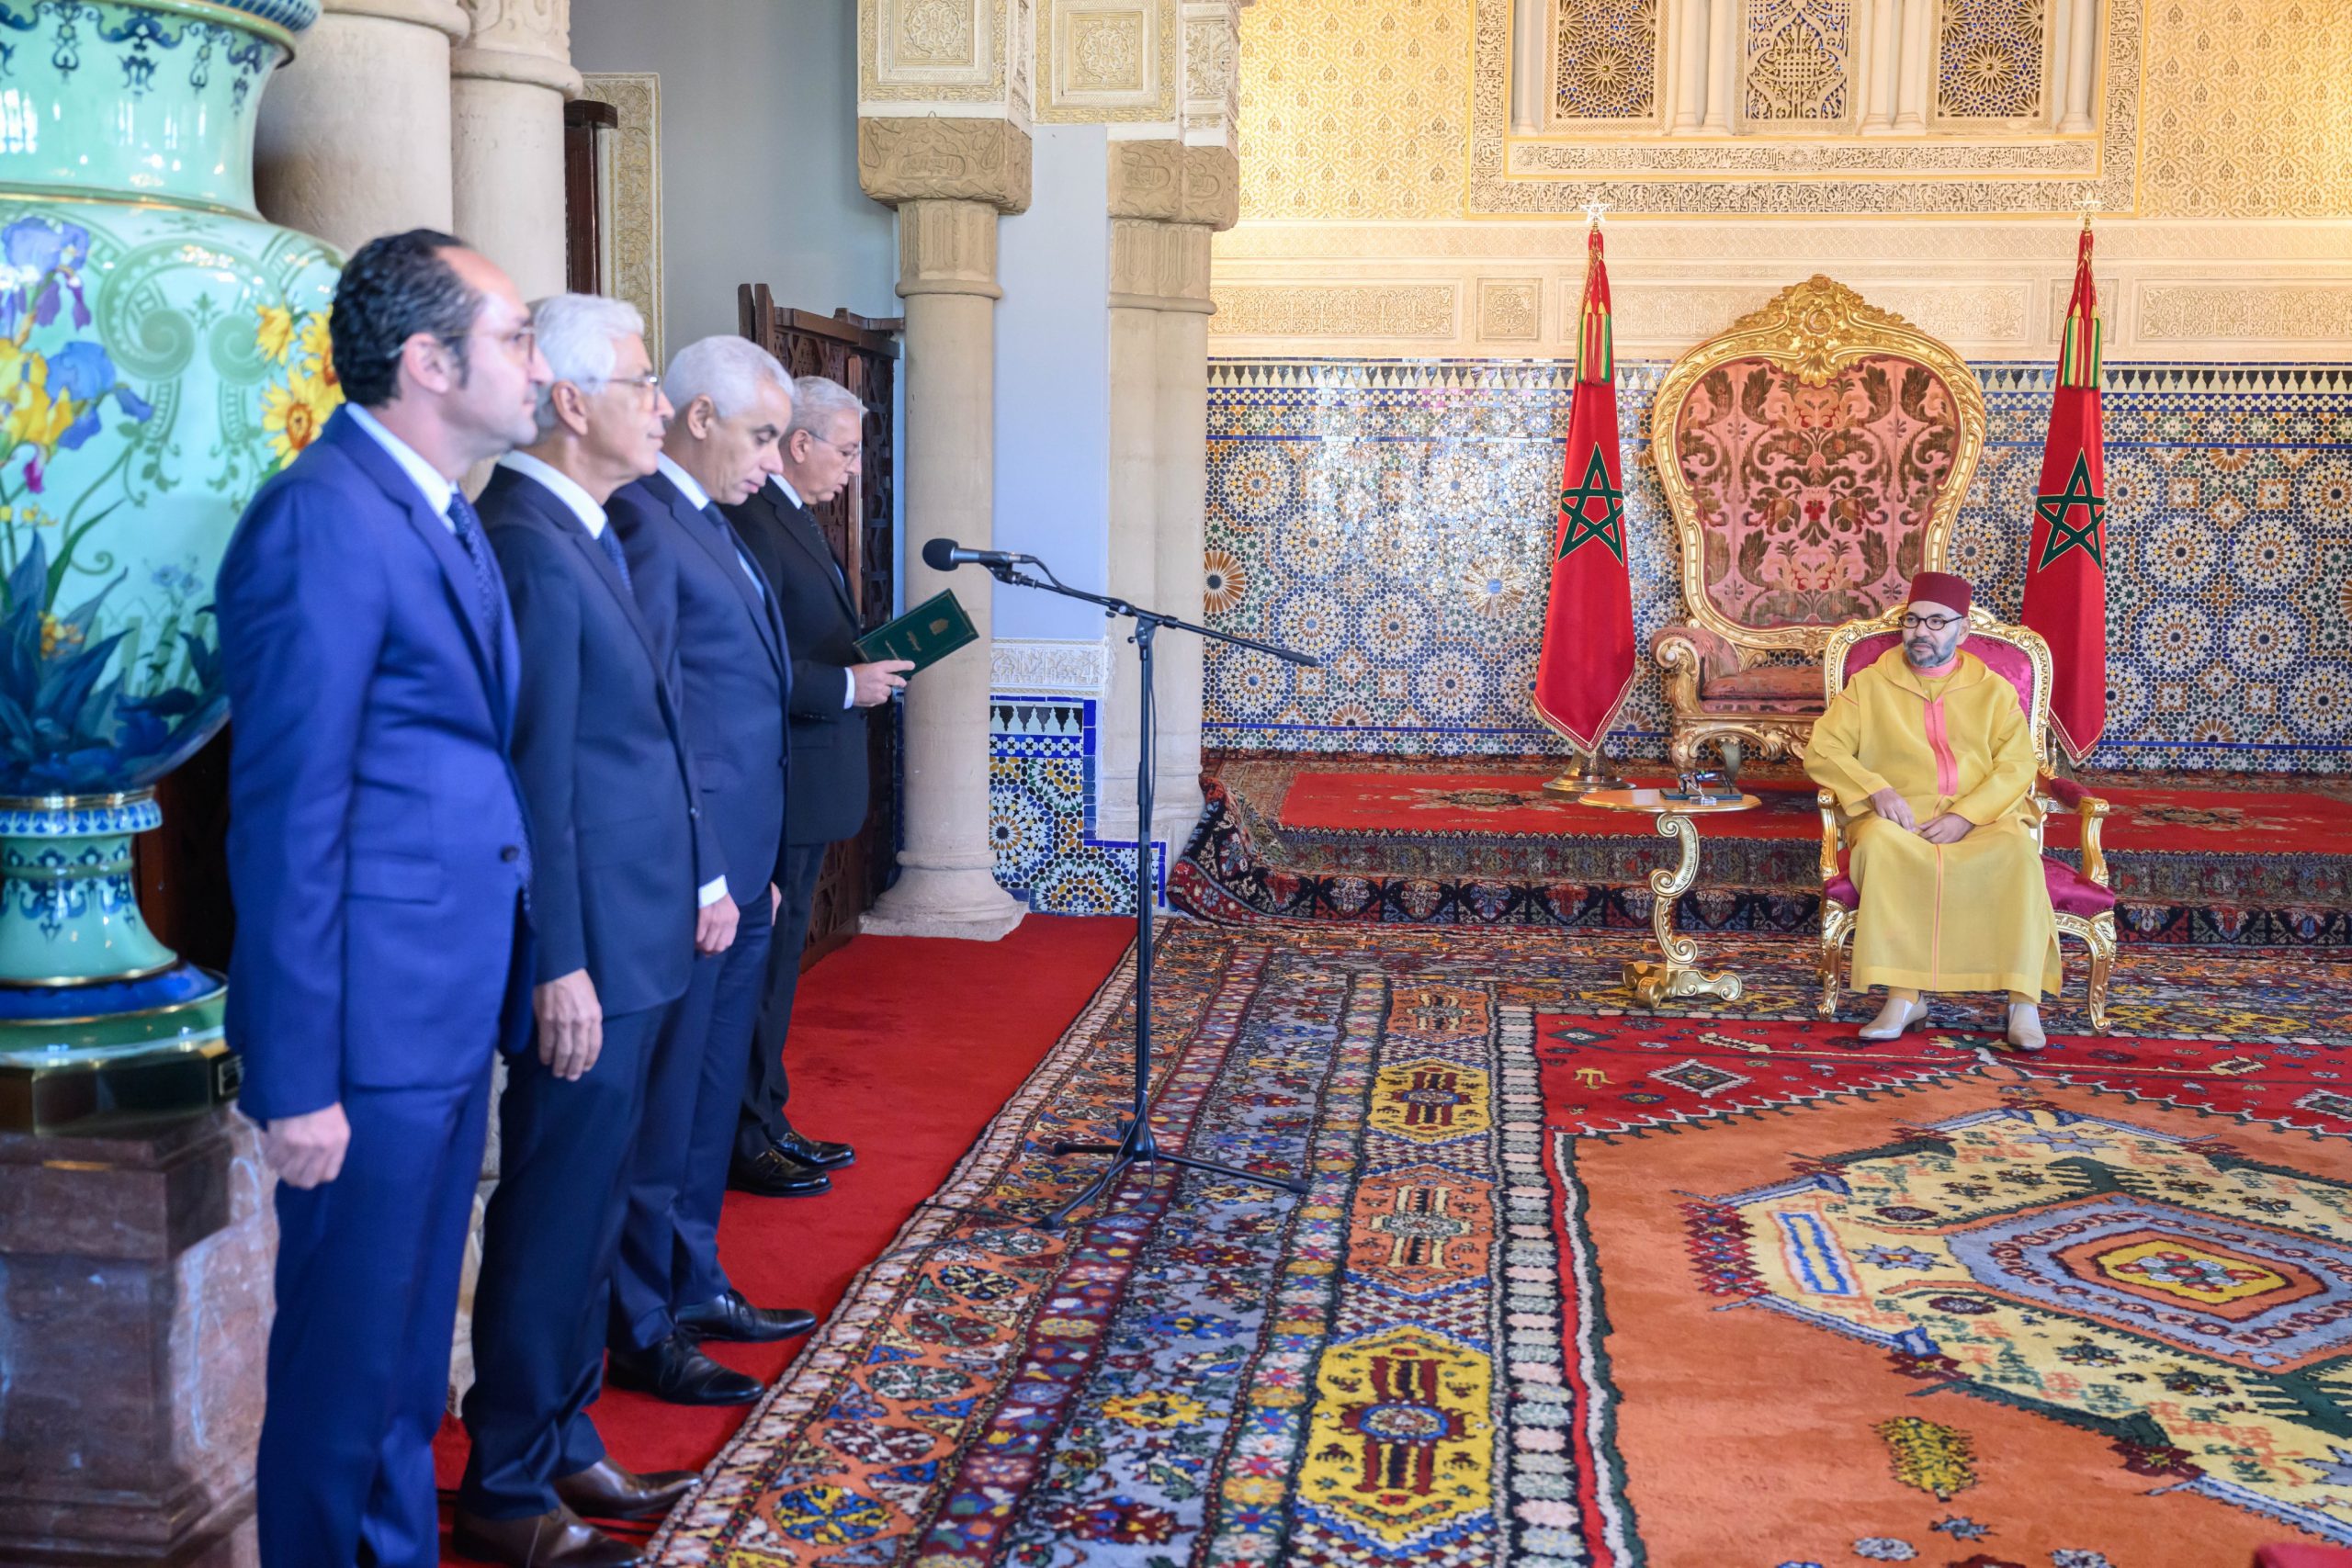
[(2066, 579), (1585, 665)]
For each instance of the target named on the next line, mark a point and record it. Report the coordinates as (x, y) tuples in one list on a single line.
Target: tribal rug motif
[(1577, 1285), (2197, 858)]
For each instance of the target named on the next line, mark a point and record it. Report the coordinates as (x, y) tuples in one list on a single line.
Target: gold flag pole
[(1592, 771)]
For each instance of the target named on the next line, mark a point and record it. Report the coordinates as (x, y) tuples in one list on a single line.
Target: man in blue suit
[(624, 888), (707, 603), (378, 855)]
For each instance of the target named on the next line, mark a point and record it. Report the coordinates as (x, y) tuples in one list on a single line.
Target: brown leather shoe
[(544, 1540), (605, 1490)]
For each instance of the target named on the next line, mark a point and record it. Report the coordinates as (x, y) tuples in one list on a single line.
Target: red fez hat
[(1941, 588)]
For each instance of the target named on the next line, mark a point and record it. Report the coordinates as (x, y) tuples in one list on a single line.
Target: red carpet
[(2166, 816), (871, 1064)]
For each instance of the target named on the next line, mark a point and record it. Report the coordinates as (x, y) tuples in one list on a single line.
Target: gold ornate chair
[(2084, 901), (1814, 457)]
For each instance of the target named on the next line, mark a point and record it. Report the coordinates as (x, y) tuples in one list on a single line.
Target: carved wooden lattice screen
[(862, 353)]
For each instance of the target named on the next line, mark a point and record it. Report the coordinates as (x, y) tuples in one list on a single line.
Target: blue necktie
[(467, 527), (614, 553), (718, 520)]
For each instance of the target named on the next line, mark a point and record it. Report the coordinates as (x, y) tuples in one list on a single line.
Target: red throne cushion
[(2071, 893), (2004, 658), (2294, 1554)]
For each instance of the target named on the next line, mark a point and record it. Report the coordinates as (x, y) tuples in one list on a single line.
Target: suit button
[(694, 812), (511, 852)]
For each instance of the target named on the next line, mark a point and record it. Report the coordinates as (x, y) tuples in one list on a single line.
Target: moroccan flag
[(2065, 577), (1584, 665)]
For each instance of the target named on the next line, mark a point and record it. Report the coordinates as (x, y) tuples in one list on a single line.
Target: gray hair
[(576, 332), (726, 370), (815, 402)]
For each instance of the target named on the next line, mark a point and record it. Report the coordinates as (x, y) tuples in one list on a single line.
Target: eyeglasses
[(849, 453), (1930, 622), (520, 344), (644, 386)]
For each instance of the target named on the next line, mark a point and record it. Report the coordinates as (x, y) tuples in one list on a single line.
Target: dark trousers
[(669, 1257), (367, 1268), (766, 1086), (543, 1298)]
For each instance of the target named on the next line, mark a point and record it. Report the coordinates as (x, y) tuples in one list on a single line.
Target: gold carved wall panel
[(2249, 109), (628, 217), (1353, 109)]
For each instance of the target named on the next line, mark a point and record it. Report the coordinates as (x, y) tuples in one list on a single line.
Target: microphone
[(945, 555)]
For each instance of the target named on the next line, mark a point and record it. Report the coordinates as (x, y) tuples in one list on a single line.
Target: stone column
[(1144, 176), (1723, 63), (352, 141), (1884, 43), (508, 84), (1916, 64), (949, 179), (2082, 64), (1689, 75), (1531, 62), (1209, 201)]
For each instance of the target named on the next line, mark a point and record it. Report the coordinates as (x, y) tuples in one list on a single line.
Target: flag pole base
[(1591, 773)]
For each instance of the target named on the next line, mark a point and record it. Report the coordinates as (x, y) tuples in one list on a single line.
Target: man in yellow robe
[(1931, 760)]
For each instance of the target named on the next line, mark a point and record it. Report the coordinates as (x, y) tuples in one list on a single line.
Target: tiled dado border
[(1041, 782), (1395, 517)]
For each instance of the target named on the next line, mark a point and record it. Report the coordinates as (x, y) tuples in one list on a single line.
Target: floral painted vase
[(163, 351)]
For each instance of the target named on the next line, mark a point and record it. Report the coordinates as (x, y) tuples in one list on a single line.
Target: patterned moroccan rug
[(2243, 860), (1695, 1290)]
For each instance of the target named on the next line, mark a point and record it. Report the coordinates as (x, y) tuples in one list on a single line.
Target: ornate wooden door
[(862, 353)]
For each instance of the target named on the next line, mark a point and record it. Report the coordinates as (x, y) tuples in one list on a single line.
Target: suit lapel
[(800, 526), (456, 571), (732, 563)]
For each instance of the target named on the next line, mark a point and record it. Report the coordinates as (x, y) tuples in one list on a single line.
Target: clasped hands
[(1948, 828)]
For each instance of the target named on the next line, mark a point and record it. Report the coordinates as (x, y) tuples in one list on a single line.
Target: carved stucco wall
[(1387, 209)]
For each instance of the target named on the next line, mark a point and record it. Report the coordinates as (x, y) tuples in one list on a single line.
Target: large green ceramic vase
[(163, 351)]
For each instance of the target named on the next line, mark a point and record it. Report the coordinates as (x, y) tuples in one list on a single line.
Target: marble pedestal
[(134, 1321)]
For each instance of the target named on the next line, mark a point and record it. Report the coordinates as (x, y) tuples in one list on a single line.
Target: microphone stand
[(1135, 1144)]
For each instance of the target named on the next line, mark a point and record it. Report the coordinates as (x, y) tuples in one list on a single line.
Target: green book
[(926, 634)]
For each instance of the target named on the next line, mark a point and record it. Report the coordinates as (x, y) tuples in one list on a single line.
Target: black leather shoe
[(676, 1371), (545, 1540), (729, 1316), (799, 1145), (770, 1174)]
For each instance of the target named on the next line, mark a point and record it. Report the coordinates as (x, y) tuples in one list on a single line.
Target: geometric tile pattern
[(1394, 517), (1041, 811)]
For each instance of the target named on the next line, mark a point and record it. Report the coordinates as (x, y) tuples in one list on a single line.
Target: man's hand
[(715, 926), (873, 684), (306, 1150), (1948, 828), (1894, 808), (571, 1023)]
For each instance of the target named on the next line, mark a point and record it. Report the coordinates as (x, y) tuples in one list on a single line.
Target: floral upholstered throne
[(2082, 899), (1814, 457)]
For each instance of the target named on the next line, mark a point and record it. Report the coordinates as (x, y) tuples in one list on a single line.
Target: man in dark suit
[(622, 865), (377, 852), (710, 611), (832, 689)]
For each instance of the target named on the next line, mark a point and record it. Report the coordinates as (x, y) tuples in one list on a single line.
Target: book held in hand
[(924, 635)]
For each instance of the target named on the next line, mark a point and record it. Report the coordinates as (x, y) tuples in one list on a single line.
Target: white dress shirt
[(849, 687), (585, 507), (431, 482)]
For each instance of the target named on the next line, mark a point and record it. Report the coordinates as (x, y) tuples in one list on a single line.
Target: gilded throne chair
[(2082, 900), (1813, 457)]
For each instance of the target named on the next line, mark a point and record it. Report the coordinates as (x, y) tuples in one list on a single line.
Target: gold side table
[(1679, 975)]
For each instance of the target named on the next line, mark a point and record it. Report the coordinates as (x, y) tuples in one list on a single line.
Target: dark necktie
[(718, 520), (467, 527), (611, 545)]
